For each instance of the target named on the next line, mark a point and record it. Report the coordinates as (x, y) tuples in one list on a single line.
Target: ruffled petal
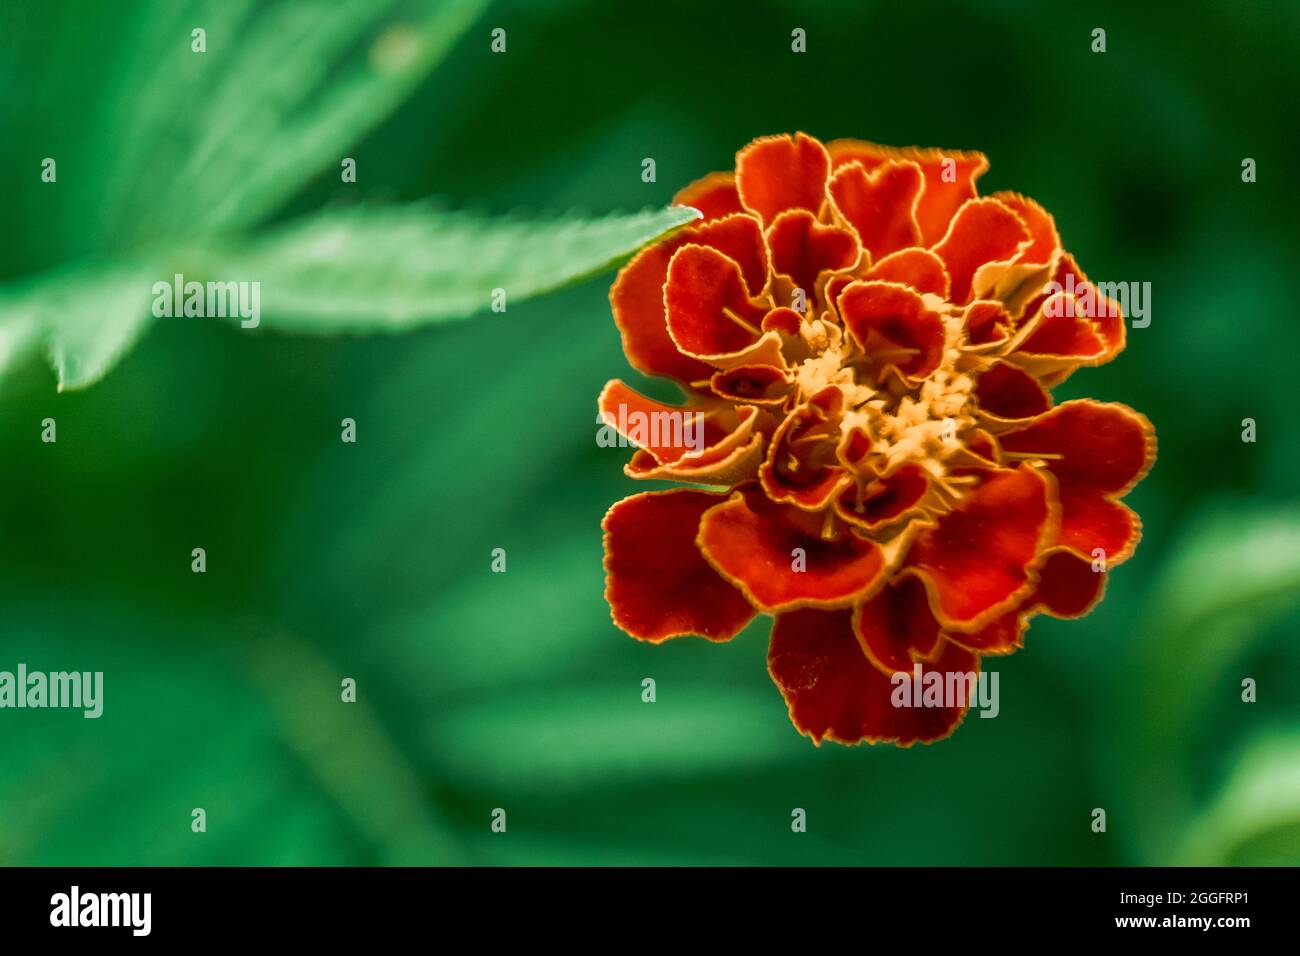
[(799, 468), (759, 384), (1038, 222), (710, 312), (919, 268), (668, 432), (757, 545), (637, 300), (1068, 587), (986, 323), (1080, 298), (784, 320), (1007, 393), (949, 177), (637, 296), (983, 231), (891, 323), (740, 238), (1059, 330), (1097, 452), (884, 500), (880, 206), (657, 583), (803, 249), (1005, 634), (724, 465), (976, 561), (776, 173), (896, 628), (833, 692)]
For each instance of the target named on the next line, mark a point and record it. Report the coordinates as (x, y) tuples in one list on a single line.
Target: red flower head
[(867, 347)]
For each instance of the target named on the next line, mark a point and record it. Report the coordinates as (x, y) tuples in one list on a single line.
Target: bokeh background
[(481, 690)]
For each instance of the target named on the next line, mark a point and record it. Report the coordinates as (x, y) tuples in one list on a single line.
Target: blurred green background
[(371, 561)]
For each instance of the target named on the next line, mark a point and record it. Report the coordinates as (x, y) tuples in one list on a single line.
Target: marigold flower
[(870, 347)]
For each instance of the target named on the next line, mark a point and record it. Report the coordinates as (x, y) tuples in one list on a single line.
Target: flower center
[(889, 419)]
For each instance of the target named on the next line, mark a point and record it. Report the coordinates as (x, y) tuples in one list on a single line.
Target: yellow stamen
[(1032, 455), (739, 321)]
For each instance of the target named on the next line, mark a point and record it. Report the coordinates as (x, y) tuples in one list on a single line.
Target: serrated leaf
[(205, 142), (370, 270), (364, 270)]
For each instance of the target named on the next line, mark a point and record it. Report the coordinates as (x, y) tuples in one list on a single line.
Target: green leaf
[(205, 143), (156, 141), (369, 270), (85, 320), (363, 270), (1255, 820), (1235, 572), (217, 141)]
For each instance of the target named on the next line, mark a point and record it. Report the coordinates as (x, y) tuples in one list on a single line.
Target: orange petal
[(880, 205), (1005, 634), (834, 693), (1068, 587), (1007, 393), (1059, 330), (759, 384), (976, 561), (709, 310), (1106, 319), (983, 231), (776, 173), (1039, 223), (986, 322), (805, 474), (657, 584), (784, 320), (637, 299), (637, 296), (919, 268), (1097, 453), (896, 628), (949, 177), (758, 545), (803, 249), (885, 499), (727, 463), (740, 238), (890, 321), (666, 431)]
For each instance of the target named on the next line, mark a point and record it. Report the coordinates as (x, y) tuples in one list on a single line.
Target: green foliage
[(1235, 573), (372, 561), (85, 320), (388, 270), (215, 141)]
